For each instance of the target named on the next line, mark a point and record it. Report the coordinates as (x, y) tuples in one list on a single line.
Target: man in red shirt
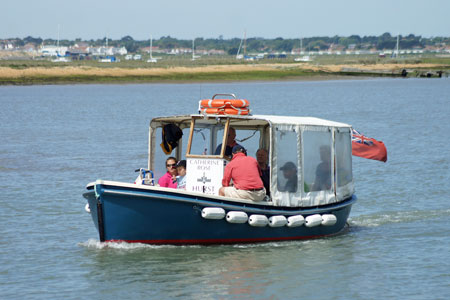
[(246, 176)]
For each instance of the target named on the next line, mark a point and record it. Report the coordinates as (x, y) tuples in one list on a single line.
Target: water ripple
[(383, 218)]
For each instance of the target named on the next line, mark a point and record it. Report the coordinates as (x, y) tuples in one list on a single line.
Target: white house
[(52, 50)]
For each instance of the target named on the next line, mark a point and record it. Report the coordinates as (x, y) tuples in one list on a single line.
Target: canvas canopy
[(310, 159)]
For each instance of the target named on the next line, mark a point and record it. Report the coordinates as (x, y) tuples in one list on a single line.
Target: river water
[(56, 139)]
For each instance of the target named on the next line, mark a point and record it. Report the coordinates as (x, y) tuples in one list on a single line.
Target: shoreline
[(211, 73)]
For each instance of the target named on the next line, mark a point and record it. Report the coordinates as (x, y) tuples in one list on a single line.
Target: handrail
[(230, 95)]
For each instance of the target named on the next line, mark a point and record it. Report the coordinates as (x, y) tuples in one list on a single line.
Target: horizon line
[(222, 38)]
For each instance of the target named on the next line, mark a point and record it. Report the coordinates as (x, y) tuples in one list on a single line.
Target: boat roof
[(257, 120), (301, 121)]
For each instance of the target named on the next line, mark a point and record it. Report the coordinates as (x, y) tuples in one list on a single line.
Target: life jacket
[(171, 134)]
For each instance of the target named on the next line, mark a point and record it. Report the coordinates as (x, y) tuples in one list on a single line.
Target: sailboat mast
[(239, 49), (397, 45), (301, 45), (151, 45), (57, 41), (245, 43)]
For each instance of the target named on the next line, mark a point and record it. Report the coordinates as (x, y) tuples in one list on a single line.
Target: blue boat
[(318, 152)]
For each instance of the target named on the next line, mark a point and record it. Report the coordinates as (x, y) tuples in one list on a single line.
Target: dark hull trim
[(159, 216)]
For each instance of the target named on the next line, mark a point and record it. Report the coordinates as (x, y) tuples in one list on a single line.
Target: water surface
[(56, 139)]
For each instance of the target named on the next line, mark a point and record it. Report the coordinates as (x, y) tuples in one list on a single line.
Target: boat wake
[(95, 244), (385, 218)]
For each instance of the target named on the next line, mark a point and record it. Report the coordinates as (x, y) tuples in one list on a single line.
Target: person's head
[(262, 156), (325, 153), (239, 149), (171, 165), (231, 136), (181, 167), (289, 169)]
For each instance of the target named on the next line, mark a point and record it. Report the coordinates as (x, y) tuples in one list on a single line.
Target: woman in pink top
[(167, 180)]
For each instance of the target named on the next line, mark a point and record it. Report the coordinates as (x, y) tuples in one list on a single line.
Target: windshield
[(208, 138), (207, 134)]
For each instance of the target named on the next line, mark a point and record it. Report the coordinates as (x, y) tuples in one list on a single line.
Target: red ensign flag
[(367, 147)]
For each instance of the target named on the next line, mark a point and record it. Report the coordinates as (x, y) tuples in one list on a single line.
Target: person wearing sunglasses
[(167, 179)]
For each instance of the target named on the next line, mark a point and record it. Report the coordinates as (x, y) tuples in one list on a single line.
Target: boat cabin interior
[(309, 159)]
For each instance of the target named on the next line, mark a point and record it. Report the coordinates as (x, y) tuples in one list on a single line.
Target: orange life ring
[(224, 103), (225, 111)]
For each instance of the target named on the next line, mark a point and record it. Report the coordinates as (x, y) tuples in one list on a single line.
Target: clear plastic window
[(317, 160), (201, 141), (343, 158), (219, 139), (287, 160), (206, 136), (249, 139)]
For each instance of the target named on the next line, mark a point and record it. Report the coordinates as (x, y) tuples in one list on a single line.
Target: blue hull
[(155, 216)]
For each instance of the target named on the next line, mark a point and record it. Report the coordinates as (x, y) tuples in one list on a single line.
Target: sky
[(140, 19)]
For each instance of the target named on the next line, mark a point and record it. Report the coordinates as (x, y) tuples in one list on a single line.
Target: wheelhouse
[(310, 159)]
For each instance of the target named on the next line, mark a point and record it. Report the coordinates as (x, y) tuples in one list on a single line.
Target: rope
[(244, 139)]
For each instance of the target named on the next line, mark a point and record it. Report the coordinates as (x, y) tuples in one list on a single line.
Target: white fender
[(87, 208), (215, 213), (295, 221), (329, 220), (313, 220), (258, 220), (237, 217), (277, 221)]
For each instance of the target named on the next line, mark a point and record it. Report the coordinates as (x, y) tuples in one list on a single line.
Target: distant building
[(120, 51), (78, 53), (52, 50), (9, 46), (31, 48), (99, 51), (155, 49), (178, 51), (216, 52)]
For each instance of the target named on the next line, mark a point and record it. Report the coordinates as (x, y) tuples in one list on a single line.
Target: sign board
[(204, 175)]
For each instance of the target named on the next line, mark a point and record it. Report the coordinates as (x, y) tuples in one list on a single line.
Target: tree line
[(256, 44)]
